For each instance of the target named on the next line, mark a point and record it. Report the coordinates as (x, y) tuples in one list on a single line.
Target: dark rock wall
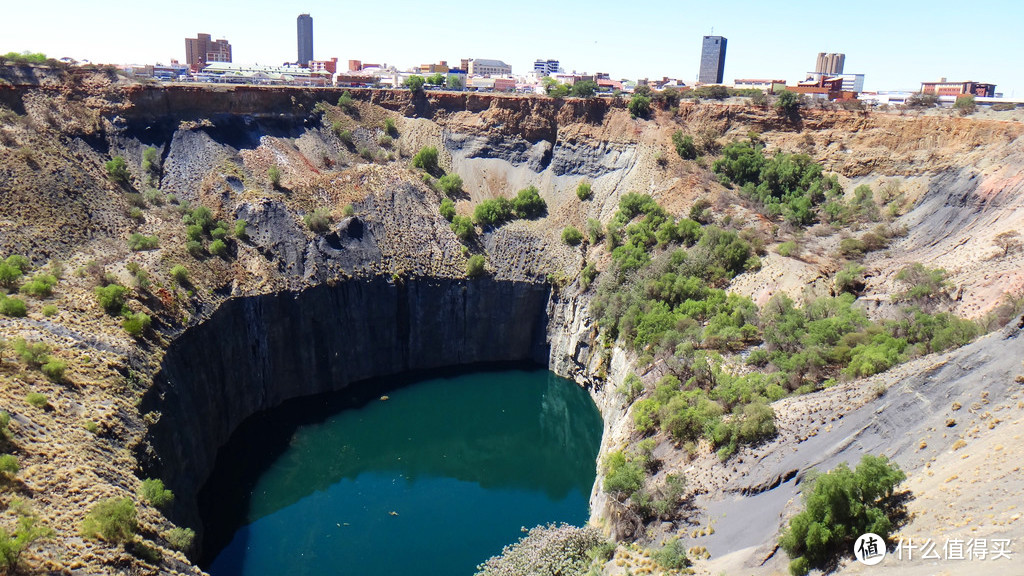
[(254, 353)]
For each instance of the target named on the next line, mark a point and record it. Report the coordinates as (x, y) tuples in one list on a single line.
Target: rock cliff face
[(382, 290), (254, 353)]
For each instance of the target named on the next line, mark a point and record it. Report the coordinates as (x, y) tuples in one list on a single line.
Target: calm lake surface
[(433, 480)]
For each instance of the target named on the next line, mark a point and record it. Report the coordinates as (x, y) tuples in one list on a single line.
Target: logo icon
[(869, 549)]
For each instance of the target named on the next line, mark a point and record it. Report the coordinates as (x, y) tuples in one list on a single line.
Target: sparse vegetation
[(13, 544), (319, 220), (180, 274), (545, 551), (274, 174), (114, 520), (180, 538), (138, 242)]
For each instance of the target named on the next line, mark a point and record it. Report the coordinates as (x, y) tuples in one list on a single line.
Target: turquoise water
[(433, 480)]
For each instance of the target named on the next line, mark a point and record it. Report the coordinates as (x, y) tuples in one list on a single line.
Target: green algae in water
[(433, 480)]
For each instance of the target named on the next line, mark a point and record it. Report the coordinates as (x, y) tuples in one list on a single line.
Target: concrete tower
[(712, 60), (305, 26)]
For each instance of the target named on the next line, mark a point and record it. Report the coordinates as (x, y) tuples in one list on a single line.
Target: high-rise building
[(305, 26), (201, 50), (712, 60), (546, 67), (830, 63)]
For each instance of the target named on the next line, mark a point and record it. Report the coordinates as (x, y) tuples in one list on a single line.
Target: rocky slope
[(383, 290)]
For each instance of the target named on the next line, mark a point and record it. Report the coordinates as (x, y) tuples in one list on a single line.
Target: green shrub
[(447, 209), (632, 387), (34, 354), (926, 285), (587, 275), (114, 520), (49, 310), (117, 169), (154, 197), (528, 203), (684, 145), (463, 227), (450, 184), (111, 298), (571, 236), (788, 249), (91, 427), (344, 135), (839, 506), (195, 248), (672, 555), (319, 220), (345, 101), (218, 233), (584, 191), (639, 106), (36, 399), (40, 286), (274, 174), (144, 551), (493, 212), (348, 210), (9, 275), (851, 247), (180, 538), (14, 544), (9, 465), (153, 491), (426, 159), (475, 265), (218, 248), (151, 161), (850, 279), (389, 127), (137, 242), (180, 274), (595, 231), (240, 231), (136, 324), (623, 477), (13, 307), (54, 370)]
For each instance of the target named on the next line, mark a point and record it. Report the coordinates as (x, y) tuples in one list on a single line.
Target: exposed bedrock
[(254, 353)]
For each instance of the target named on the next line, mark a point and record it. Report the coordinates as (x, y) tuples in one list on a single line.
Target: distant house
[(944, 88)]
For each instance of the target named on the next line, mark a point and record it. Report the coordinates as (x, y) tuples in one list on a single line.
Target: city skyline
[(895, 46)]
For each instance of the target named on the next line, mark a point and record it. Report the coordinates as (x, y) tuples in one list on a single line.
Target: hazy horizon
[(895, 46)]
